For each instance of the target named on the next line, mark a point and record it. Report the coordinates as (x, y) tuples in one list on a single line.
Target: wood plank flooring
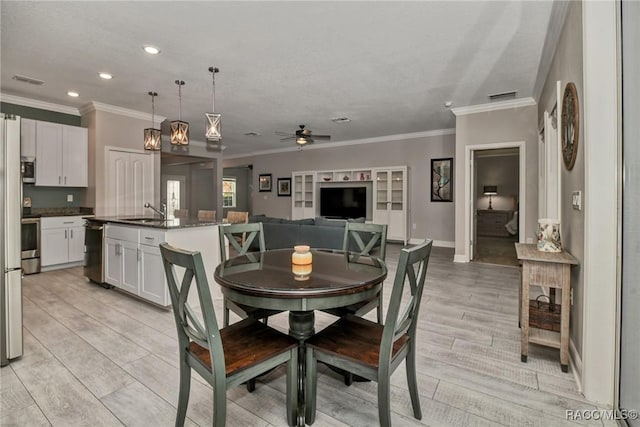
[(98, 357)]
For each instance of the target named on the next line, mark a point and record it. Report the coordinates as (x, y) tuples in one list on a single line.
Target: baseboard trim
[(576, 364), (436, 243)]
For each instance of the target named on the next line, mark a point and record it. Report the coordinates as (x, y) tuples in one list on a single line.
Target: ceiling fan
[(303, 136)]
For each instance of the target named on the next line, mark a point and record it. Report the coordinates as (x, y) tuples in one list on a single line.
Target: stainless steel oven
[(30, 237)]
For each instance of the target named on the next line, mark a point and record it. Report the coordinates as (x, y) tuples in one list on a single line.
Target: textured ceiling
[(388, 66)]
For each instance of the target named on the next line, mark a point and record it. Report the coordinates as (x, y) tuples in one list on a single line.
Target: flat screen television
[(343, 202)]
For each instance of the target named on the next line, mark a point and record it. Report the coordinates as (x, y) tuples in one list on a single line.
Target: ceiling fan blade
[(284, 133), (288, 138)]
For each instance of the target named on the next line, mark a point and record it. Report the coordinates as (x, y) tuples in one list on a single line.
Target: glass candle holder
[(301, 262)]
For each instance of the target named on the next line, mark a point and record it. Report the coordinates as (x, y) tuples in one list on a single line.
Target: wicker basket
[(544, 315)]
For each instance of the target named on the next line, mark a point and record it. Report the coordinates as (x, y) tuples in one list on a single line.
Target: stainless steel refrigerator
[(10, 211)]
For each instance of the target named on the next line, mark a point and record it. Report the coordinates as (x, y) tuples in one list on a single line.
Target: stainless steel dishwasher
[(93, 251)]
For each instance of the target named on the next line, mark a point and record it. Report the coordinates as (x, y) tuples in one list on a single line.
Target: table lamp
[(490, 190)]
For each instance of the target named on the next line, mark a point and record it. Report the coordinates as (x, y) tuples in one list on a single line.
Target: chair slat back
[(188, 323), (206, 215), (369, 233), (237, 217), (412, 270), (249, 232), (181, 213)]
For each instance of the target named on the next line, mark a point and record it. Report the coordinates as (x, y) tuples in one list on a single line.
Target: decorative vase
[(549, 235), (301, 262)]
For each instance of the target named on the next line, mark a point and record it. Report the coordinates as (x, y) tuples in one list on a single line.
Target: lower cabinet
[(134, 266), (62, 241)]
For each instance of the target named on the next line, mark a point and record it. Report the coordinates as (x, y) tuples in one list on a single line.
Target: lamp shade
[(152, 139), (490, 190)]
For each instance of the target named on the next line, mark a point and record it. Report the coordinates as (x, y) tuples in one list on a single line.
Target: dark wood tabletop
[(267, 279)]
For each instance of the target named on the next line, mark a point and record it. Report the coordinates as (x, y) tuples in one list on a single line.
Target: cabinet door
[(142, 185), (381, 197), (117, 183), (397, 205), (130, 270), (76, 244), (153, 285), (49, 154), (75, 156), (28, 138), (112, 262), (54, 243)]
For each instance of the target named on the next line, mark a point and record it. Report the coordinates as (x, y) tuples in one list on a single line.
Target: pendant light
[(152, 140), (179, 129), (213, 133)]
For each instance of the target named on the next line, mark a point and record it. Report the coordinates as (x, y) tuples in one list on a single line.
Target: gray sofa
[(319, 232)]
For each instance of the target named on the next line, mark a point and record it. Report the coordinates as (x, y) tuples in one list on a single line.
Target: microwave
[(28, 170)]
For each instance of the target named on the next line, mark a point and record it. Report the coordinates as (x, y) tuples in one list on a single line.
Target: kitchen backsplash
[(55, 197)]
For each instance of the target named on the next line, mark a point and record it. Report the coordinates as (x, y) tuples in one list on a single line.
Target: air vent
[(30, 80), (251, 133), (503, 96), (341, 120)]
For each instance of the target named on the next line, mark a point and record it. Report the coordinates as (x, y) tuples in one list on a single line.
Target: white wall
[(433, 220)]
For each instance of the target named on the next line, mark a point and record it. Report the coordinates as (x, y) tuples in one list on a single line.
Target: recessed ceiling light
[(151, 50), (105, 76), (448, 104), (341, 120), (73, 94)]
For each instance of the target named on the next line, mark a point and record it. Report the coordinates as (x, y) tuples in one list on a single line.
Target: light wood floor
[(98, 357)]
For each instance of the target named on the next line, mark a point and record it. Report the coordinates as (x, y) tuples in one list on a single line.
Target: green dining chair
[(365, 237), (223, 357), (241, 238), (372, 350)]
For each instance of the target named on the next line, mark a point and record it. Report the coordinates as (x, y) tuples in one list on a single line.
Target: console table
[(551, 270)]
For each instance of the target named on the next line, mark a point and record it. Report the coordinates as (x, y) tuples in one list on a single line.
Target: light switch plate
[(69, 197), (576, 200)]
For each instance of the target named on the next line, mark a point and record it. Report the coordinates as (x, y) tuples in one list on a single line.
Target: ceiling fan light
[(152, 139), (301, 140), (179, 132), (213, 133)]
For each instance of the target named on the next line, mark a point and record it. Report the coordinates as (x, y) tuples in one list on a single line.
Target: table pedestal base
[(301, 327)]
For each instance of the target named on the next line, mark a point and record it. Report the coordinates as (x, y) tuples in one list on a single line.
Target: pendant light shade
[(213, 132), (179, 129), (152, 140)]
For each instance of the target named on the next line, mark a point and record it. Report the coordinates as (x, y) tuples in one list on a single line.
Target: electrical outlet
[(69, 197), (571, 296)]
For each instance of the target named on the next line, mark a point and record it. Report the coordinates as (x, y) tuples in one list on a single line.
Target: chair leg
[(413, 383), (292, 389), (384, 398), (348, 378), (379, 309), (225, 313), (311, 387), (219, 401), (251, 385), (183, 394)]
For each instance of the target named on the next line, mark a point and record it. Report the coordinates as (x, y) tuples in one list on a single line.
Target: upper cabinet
[(62, 155), (28, 138)]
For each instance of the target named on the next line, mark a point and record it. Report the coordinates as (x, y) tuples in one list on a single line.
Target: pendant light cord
[(180, 83), (213, 71)]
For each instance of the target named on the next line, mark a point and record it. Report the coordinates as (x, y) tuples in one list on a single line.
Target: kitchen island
[(131, 256)]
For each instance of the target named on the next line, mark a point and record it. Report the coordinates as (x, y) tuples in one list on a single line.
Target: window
[(228, 192)]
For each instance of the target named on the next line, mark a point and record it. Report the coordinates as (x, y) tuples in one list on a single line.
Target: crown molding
[(373, 140), (41, 105), (493, 106), (99, 106)]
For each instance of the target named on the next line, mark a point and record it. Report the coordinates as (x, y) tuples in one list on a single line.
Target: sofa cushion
[(305, 221), (320, 220)]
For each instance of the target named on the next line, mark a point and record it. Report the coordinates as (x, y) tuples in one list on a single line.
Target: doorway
[(475, 195), (497, 195)]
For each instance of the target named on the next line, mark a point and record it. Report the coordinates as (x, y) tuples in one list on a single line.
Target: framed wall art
[(264, 182), (442, 180), (284, 187)]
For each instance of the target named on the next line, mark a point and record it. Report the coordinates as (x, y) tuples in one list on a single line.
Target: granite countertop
[(47, 212), (156, 222)]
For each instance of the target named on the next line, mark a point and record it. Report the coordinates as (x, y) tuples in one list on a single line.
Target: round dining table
[(269, 280)]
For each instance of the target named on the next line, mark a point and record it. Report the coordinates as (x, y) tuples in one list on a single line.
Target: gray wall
[(567, 67), (501, 171), (433, 220), (509, 125)]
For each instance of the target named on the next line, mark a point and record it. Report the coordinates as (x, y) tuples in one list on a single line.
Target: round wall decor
[(570, 125)]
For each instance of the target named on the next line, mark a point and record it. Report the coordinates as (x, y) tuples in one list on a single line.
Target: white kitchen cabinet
[(28, 138), (62, 241), (62, 155), (303, 191), (130, 183), (390, 201), (134, 266)]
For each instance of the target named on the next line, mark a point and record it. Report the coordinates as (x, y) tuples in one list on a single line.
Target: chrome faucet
[(162, 212)]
